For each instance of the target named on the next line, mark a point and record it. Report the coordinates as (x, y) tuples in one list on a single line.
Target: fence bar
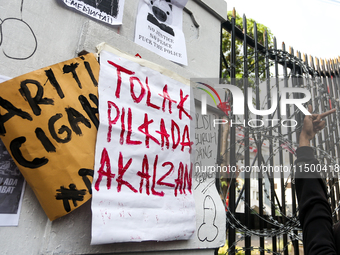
[(246, 135), (324, 104), (294, 71), (336, 85), (312, 88), (317, 101), (332, 132), (232, 209), (272, 187), (285, 76), (259, 139)]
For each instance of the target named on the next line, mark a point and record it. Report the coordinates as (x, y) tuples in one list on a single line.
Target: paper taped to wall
[(142, 186), (49, 124), (108, 11), (159, 28)]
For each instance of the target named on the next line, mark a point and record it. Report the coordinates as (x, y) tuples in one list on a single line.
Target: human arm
[(311, 125), (314, 211)]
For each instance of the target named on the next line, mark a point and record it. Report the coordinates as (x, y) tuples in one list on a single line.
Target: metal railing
[(276, 230)]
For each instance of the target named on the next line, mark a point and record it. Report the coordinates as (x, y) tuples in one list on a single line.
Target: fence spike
[(312, 62), (317, 62), (333, 65), (330, 63)]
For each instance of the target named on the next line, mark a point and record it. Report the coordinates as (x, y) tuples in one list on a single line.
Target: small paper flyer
[(159, 28), (108, 11)]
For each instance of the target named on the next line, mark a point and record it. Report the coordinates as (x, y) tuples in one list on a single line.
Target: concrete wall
[(60, 34)]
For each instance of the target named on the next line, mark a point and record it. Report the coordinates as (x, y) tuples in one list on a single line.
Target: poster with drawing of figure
[(108, 11), (159, 28)]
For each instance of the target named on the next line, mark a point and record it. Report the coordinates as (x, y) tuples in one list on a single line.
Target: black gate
[(261, 207)]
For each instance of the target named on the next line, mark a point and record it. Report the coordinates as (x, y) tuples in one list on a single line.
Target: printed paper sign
[(48, 123), (142, 186), (108, 11), (159, 28), (12, 185)]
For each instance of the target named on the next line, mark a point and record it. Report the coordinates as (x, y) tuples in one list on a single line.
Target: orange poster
[(48, 122)]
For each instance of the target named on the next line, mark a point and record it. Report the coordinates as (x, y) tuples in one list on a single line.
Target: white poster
[(108, 11), (159, 28), (142, 187), (12, 186)]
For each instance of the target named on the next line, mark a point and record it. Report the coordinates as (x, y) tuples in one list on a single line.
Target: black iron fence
[(261, 207)]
